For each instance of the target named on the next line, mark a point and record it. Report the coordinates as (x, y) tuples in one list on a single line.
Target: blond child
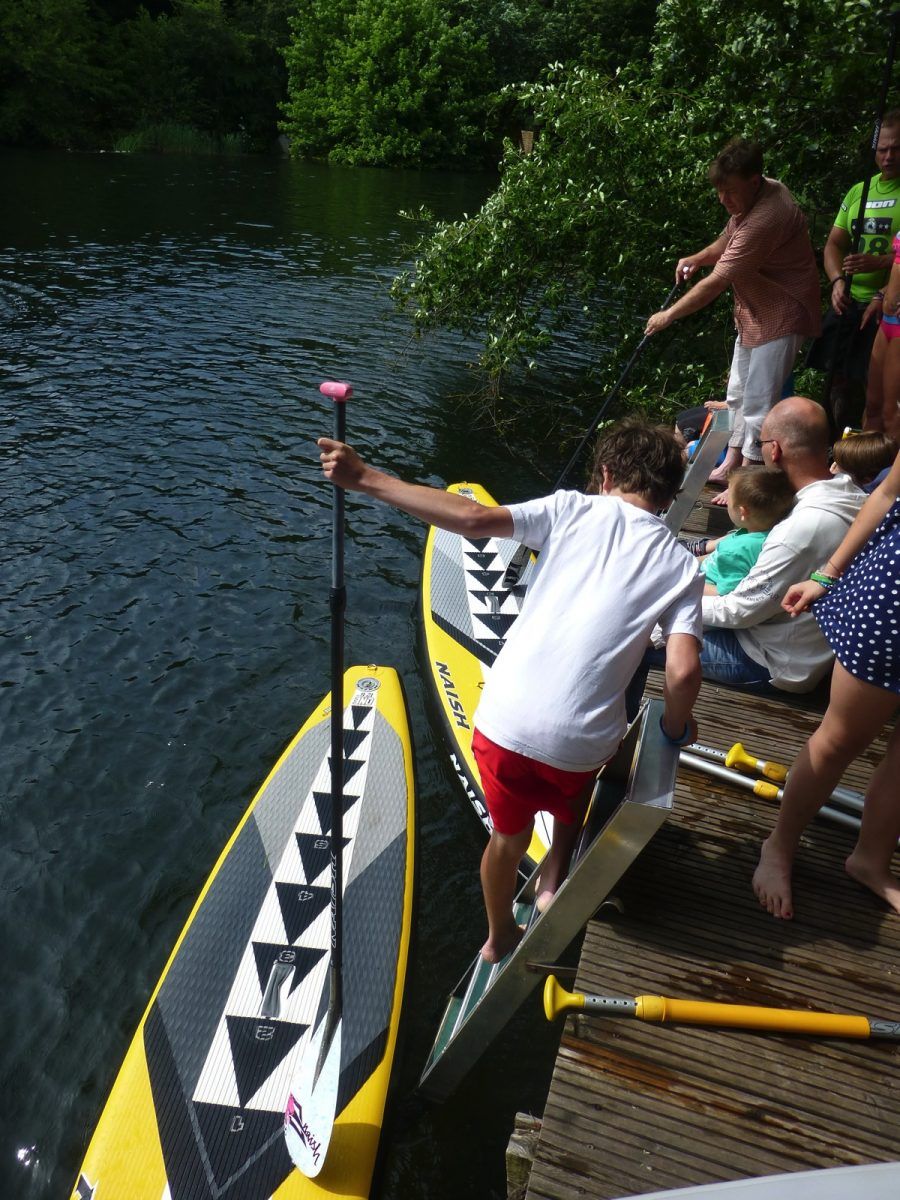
[(757, 501)]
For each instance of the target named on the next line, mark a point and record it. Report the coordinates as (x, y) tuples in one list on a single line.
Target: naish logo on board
[(468, 789), (302, 1130), (453, 700)]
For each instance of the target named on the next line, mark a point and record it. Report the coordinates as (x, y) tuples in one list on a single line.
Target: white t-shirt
[(607, 573), (793, 649)]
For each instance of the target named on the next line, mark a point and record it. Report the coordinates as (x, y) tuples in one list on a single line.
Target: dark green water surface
[(164, 325)]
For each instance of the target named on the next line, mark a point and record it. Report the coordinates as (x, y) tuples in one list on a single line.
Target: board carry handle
[(660, 1010)]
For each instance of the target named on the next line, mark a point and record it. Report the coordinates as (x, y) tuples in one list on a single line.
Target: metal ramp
[(705, 457), (633, 796)]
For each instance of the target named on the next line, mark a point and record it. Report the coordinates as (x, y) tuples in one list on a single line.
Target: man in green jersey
[(851, 322)]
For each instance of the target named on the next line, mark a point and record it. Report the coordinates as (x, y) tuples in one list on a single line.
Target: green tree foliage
[(387, 82), (46, 68), (616, 189), (75, 73)]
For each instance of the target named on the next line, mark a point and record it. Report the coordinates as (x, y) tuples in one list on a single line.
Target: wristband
[(825, 581), (878, 296), (837, 279), (685, 739)]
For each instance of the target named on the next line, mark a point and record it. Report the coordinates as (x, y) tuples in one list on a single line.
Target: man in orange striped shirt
[(765, 256)]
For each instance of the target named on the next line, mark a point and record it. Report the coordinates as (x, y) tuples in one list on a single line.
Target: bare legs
[(870, 862), (891, 390), (499, 872), (883, 390), (555, 866), (873, 417), (856, 712), (499, 875)]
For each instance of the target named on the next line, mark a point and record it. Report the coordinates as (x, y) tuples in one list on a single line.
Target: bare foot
[(733, 458), (772, 881), (721, 499), (545, 888), (496, 949), (877, 879)]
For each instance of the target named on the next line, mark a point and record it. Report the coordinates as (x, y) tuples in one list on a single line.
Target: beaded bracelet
[(826, 581), (685, 739)]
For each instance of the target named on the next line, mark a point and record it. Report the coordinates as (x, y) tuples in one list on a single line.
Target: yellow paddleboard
[(466, 614), (198, 1109)]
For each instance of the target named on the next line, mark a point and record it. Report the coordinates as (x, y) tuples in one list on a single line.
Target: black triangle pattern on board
[(323, 807), (301, 958), (353, 739), (315, 852), (351, 766), (83, 1189), (300, 905), (358, 713), (480, 558), (231, 1136), (487, 579), (258, 1045), (498, 623)]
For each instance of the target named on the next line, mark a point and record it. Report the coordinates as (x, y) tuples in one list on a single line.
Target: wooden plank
[(635, 1107)]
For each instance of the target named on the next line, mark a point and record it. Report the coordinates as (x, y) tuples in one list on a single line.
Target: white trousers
[(754, 385)]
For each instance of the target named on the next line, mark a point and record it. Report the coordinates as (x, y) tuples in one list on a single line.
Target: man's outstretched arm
[(343, 466)]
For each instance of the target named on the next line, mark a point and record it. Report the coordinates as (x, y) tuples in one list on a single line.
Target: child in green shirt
[(757, 500)]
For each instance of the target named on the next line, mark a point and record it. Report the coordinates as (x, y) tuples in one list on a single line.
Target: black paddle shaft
[(337, 604), (517, 562), (861, 217), (616, 388)]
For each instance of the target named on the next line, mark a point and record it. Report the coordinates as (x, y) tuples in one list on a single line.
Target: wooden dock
[(637, 1108)]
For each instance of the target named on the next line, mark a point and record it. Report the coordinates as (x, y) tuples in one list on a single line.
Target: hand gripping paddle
[(311, 1108)]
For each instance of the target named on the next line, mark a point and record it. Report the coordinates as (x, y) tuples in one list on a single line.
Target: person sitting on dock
[(765, 256), (552, 711), (865, 457), (748, 640), (758, 500)]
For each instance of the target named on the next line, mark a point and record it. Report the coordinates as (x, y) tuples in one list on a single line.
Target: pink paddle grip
[(337, 391)]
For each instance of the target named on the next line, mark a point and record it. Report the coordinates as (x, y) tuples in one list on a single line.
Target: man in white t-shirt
[(553, 707)]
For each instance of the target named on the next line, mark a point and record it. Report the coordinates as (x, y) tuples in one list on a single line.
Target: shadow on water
[(164, 598)]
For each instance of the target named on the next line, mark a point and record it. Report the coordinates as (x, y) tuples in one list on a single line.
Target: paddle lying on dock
[(665, 1010), (762, 788), (738, 758), (724, 765)]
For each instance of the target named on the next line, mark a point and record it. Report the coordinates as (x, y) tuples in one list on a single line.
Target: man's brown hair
[(767, 495), (640, 457), (737, 157)]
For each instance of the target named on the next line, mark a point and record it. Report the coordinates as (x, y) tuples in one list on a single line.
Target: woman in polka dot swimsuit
[(860, 617)]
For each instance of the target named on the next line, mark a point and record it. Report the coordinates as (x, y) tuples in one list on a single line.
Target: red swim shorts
[(890, 327), (516, 787)]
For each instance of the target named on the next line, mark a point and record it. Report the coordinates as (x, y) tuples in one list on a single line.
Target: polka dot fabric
[(860, 615)]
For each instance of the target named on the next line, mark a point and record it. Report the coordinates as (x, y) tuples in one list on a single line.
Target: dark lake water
[(165, 554)]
